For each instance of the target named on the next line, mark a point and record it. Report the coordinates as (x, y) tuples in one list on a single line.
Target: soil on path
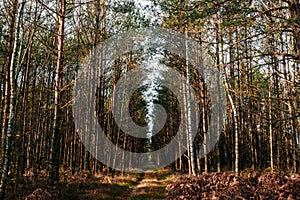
[(151, 186)]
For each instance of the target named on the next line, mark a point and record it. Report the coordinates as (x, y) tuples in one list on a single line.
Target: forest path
[(151, 186)]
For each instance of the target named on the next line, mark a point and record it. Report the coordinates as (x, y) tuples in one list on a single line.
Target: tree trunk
[(54, 151), (11, 116), (270, 123), (188, 100)]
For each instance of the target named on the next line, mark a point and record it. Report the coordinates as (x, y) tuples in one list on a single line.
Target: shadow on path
[(151, 186)]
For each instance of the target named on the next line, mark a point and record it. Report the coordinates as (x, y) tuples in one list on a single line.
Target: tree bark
[(55, 150), (11, 116)]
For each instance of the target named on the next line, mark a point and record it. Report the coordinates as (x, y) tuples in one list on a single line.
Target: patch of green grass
[(127, 185), (163, 175), (140, 197)]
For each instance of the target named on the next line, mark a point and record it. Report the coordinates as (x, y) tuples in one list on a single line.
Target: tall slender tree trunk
[(270, 123), (54, 151), (22, 152), (235, 122), (188, 100), (218, 56), (6, 100), (12, 101)]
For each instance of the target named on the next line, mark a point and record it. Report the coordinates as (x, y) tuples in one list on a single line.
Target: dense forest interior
[(51, 52)]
